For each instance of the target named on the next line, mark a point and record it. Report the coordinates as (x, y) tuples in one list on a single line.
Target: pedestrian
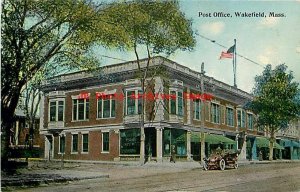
[(173, 154), (260, 156)]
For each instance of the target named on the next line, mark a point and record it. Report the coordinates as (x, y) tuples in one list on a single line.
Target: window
[(229, 117), (106, 107), (62, 143), (173, 102), (241, 118), (250, 121), (85, 142), (134, 102), (56, 111), (105, 142), (80, 109), (130, 141), (176, 103), (180, 103), (75, 143), (215, 113), (197, 109)]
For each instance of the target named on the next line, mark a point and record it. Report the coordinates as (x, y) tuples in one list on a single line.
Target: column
[(188, 145), (292, 152), (243, 155), (159, 145), (254, 152), (17, 133)]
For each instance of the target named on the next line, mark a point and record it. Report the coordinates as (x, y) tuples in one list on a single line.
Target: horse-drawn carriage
[(221, 160)]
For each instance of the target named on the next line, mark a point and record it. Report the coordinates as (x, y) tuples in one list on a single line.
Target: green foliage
[(276, 99), (159, 25)]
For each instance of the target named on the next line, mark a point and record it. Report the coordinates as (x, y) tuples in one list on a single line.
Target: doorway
[(49, 147), (150, 142)]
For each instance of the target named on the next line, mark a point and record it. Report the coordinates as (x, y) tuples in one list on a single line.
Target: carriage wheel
[(236, 165), (205, 166), (222, 164)]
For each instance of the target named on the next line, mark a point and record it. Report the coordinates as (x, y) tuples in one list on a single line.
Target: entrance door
[(48, 147), (150, 142)]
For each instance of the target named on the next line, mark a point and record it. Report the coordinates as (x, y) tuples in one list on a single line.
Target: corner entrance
[(150, 142)]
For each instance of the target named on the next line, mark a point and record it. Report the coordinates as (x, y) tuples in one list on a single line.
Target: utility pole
[(202, 134)]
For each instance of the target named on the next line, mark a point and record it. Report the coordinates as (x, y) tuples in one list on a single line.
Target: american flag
[(226, 55)]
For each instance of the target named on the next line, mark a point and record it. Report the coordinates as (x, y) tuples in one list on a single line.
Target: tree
[(39, 33), (275, 100), (153, 27)]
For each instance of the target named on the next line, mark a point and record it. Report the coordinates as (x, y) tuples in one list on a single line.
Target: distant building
[(96, 115)]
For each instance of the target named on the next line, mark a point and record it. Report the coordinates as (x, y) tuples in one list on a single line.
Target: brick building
[(96, 115)]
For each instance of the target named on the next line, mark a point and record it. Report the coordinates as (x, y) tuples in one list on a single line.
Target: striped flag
[(225, 55), (228, 54)]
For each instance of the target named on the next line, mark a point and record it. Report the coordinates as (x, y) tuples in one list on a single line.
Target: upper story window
[(229, 116), (133, 104), (81, 109), (106, 106), (197, 109), (215, 113), (176, 102), (241, 115), (250, 121), (56, 110)]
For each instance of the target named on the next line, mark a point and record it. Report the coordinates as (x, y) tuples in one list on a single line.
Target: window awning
[(289, 143), (212, 139), (264, 142)]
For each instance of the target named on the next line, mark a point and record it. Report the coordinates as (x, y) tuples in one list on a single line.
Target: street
[(254, 177)]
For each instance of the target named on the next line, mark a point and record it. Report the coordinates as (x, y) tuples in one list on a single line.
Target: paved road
[(265, 177)]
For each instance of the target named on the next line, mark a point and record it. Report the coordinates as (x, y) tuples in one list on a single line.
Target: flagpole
[(234, 64)]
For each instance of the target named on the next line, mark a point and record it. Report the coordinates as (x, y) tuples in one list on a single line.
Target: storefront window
[(130, 141), (175, 137)]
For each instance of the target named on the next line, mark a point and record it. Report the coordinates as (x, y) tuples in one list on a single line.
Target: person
[(173, 154), (219, 151), (260, 156)]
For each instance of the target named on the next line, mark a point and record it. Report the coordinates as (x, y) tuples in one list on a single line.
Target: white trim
[(136, 101), (172, 89), (56, 100), (247, 122), (86, 129), (200, 109), (102, 107), (77, 96), (226, 123), (219, 113), (237, 117), (94, 87), (216, 102), (77, 108)]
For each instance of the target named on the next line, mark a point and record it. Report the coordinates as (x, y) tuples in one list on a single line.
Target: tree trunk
[(272, 140), (142, 144), (7, 117)]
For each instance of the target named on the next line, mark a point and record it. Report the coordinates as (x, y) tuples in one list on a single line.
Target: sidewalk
[(34, 177)]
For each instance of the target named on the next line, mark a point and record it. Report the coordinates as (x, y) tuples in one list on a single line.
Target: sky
[(265, 40)]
